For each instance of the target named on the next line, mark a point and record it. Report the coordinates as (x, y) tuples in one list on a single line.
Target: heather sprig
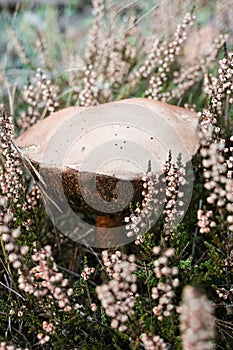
[(197, 321), (164, 291), (188, 75), (141, 219), (10, 171), (13, 183), (169, 53), (216, 164), (41, 98), (118, 295)]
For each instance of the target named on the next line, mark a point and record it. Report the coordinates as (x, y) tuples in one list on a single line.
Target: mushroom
[(91, 161)]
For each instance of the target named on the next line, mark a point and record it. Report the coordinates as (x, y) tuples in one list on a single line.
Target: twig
[(75, 274), (12, 290)]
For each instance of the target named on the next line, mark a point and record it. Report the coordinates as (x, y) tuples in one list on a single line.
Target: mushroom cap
[(84, 152), (155, 126)]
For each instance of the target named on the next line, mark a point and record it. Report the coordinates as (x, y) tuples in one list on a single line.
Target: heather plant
[(171, 288)]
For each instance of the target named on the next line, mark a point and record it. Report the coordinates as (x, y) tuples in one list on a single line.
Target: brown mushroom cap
[(36, 141), (183, 122), (139, 124)]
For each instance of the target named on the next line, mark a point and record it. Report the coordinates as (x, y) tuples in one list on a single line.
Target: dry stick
[(96, 255), (183, 250), (12, 290), (75, 274), (8, 327), (7, 268), (143, 16), (17, 7), (126, 6), (4, 266), (225, 324), (44, 112), (89, 297), (11, 96)]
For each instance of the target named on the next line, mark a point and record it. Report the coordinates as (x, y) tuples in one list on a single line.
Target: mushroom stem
[(106, 237)]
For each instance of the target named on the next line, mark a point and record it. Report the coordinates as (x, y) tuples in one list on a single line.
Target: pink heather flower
[(153, 342), (196, 321), (118, 295)]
